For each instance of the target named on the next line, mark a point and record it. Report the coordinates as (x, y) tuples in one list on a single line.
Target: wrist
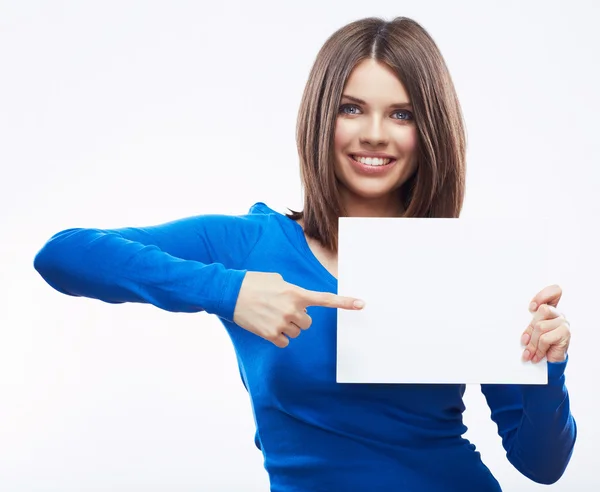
[(557, 358)]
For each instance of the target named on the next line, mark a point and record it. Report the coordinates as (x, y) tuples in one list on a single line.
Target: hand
[(549, 333), (272, 308)]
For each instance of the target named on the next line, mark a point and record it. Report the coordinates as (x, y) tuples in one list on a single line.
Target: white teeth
[(371, 161)]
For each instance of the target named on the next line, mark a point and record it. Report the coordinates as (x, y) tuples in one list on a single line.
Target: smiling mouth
[(372, 161)]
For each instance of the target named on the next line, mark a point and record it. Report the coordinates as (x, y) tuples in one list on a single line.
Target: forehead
[(375, 82)]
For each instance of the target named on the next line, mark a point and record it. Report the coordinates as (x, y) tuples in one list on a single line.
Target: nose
[(374, 132)]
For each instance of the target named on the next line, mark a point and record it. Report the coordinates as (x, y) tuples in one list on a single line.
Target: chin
[(368, 191), (369, 187)]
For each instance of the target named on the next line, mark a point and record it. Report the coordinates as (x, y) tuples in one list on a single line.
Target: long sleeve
[(535, 423), (187, 265)]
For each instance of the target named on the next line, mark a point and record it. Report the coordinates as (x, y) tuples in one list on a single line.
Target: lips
[(387, 158), (371, 170), (377, 155)]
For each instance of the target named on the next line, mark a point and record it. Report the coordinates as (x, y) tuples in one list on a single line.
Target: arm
[(187, 265), (535, 423)]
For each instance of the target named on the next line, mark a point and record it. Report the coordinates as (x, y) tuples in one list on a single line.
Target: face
[(375, 138)]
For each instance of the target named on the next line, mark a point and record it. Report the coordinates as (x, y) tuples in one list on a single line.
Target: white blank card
[(446, 299)]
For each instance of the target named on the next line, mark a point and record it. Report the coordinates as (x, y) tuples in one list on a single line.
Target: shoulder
[(231, 238), (249, 224)]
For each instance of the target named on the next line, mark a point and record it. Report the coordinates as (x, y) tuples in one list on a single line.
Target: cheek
[(407, 141), (342, 135)]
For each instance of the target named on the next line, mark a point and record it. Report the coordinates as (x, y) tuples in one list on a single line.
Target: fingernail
[(532, 306), (525, 339), (535, 359), (526, 355), (359, 304)]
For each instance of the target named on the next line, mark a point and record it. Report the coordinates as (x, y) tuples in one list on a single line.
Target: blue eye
[(347, 106), (407, 115)]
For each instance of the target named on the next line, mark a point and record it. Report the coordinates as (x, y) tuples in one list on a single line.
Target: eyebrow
[(360, 101)]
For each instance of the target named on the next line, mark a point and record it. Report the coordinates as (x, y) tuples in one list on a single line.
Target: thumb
[(327, 299)]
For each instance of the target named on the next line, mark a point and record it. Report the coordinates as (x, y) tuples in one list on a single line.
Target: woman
[(379, 135)]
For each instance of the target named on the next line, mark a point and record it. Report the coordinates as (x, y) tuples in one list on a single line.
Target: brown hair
[(436, 189)]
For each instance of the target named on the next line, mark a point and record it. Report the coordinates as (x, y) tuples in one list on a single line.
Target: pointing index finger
[(327, 299)]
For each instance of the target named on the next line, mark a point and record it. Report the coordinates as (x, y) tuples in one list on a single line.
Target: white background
[(135, 113)]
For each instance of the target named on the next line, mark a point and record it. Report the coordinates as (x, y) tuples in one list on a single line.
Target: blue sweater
[(315, 434)]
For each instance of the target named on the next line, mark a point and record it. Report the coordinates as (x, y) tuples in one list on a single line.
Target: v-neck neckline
[(298, 239), (309, 252)]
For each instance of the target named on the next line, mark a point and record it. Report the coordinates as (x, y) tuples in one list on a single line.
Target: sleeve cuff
[(556, 372), (230, 294)]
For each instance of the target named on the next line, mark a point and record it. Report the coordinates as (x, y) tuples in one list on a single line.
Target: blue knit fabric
[(315, 434)]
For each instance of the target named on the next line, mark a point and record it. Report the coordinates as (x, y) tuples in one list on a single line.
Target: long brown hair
[(436, 189)]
